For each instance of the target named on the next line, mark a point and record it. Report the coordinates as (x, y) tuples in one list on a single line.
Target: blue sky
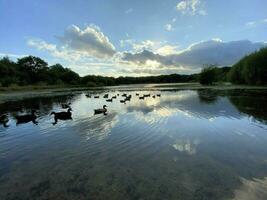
[(121, 37)]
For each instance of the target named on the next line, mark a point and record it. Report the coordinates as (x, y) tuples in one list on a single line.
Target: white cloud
[(167, 50), (10, 55), (168, 27), (90, 41), (191, 7), (90, 51), (181, 6), (128, 11), (252, 24), (214, 51), (52, 49)]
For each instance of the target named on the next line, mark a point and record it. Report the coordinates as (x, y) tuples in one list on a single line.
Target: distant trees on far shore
[(31, 70)]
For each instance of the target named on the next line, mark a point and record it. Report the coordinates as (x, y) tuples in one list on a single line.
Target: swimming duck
[(143, 97), (96, 97), (158, 95), (101, 110), (122, 101), (124, 95), (105, 96), (27, 118), (109, 100), (147, 95), (4, 119), (88, 95), (128, 98), (154, 96), (62, 115), (65, 105), (114, 97)]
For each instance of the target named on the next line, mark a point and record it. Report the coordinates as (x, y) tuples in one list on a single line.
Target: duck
[(62, 115), (143, 97), (122, 101), (128, 98), (96, 97), (124, 95), (147, 95), (109, 100), (4, 119), (101, 110), (118, 94), (137, 94), (65, 105), (158, 95), (26, 118), (154, 96), (88, 95), (114, 97), (105, 96)]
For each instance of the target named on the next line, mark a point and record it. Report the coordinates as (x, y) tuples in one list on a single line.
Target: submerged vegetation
[(31, 70)]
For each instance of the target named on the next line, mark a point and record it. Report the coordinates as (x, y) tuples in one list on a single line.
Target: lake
[(185, 144)]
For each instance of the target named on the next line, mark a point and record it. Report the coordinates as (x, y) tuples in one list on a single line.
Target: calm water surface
[(201, 144)]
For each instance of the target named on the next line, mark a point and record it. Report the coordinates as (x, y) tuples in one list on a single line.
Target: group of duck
[(31, 117), (124, 95), (65, 115)]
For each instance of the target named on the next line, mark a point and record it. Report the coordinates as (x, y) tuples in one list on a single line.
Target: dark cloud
[(197, 55)]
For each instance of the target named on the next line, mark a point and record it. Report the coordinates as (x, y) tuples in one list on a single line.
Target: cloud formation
[(191, 7), (168, 27), (88, 50), (252, 24), (90, 41), (195, 56)]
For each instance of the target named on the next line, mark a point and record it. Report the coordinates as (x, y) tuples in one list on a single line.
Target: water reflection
[(203, 144)]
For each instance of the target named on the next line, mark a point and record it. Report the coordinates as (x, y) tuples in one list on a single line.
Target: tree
[(252, 69), (34, 69), (8, 72), (208, 75)]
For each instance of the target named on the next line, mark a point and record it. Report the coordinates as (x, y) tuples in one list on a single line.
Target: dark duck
[(27, 118), (101, 110), (62, 115), (4, 119)]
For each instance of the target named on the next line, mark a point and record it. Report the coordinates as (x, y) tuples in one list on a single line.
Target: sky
[(133, 38)]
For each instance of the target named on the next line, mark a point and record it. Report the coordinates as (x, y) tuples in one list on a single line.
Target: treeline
[(92, 80), (250, 70), (31, 70)]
